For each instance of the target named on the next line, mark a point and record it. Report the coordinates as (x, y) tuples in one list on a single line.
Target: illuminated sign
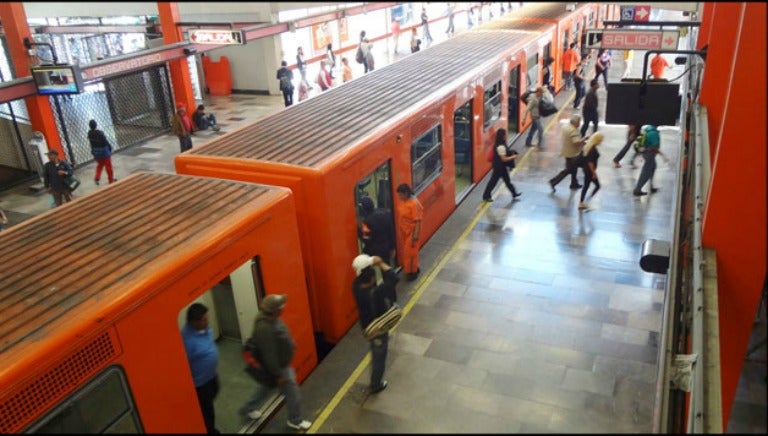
[(633, 39), (217, 36)]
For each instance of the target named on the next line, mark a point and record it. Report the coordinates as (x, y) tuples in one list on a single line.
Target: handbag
[(72, 183), (253, 367), (384, 322)]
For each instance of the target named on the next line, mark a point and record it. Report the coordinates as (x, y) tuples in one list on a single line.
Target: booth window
[(491, 104), (426, 158)]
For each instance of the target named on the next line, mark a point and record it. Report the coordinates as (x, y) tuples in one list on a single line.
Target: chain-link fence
[(130, 109)]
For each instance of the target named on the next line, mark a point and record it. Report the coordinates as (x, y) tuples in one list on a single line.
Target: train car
[(92, 294), (398, 124), (571, 21), (524, 68)]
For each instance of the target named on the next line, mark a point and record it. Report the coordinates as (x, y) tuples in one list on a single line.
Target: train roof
[(553, 11), (97, 247), (509, 24), (312, 132)]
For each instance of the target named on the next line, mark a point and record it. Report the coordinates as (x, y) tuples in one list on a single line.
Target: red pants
[(105, 162)]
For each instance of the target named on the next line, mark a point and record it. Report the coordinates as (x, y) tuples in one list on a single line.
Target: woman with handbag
[(101, 150)]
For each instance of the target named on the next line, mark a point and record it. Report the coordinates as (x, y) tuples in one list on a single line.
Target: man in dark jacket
[(372, 301), (55, 173), (275, 349), (377, 230), (285, 77)]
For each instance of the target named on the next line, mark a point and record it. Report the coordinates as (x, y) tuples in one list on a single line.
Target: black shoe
[(575, 186), (516, 196), (96, 182), (639, 193), (489, 200), (654, 190), (552, 185), (379, 388), (397, 270)]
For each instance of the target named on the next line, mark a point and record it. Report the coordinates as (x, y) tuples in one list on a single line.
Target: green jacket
[(274, 342)]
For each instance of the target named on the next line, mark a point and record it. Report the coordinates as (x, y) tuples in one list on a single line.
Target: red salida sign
[(216, 36)]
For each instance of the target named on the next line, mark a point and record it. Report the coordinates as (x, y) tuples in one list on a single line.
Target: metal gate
[(129, 108)]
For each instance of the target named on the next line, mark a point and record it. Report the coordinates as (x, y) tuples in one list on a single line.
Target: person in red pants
[(101, 150)]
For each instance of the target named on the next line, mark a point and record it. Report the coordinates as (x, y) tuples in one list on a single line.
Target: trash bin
[(654, 257)]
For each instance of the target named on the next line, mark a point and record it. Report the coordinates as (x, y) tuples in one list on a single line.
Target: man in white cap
[(372, 301), (275, 348)]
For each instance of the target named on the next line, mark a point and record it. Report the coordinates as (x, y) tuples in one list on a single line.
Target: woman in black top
[(503, 159), (588, 162)]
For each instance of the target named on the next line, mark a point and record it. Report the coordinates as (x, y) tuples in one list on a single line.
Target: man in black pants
[(571, 148), (590, 107)]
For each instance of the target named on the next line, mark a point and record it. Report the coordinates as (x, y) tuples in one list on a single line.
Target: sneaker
[(303, 425), (96, 182), (516, 196), (488, 200), (552, 185), (575, 186), (654, 190), (639, 193), (216, 128), (255, 414), (616, 165), (378, 389), (583, 205)]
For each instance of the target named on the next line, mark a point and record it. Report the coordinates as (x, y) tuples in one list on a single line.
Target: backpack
[(253, 366), (639, 143), (525, 96), (359, 57), (285, 83)]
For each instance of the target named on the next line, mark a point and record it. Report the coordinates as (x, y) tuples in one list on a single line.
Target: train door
[(532, 75), (233, 304), (513, 106), (462, 145), (376, 187)]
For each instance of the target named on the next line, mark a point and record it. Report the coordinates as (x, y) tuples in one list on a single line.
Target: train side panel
[(120, 265)]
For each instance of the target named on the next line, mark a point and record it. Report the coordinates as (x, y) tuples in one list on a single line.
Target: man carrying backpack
[(285, 76), (650, 141)]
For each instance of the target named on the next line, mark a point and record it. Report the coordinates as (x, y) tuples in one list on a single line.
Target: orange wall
[(735, 211)]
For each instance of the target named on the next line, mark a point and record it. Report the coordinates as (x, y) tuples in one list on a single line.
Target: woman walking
[(503, 161), (588, 161)]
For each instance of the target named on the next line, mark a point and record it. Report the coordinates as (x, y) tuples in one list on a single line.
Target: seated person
[(203, 121)]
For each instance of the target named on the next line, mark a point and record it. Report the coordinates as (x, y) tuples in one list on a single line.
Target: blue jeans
[(535, 127), (646, 172), (207, 121), (185, 143), (288, 388), (379, 346)]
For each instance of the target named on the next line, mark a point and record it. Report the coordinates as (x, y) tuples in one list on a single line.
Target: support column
[(721, 58), (735, 209), (41, 115), (705, 29), (180, 79)]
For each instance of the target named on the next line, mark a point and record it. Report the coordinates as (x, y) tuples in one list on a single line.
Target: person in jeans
[(578, 83), (533, 109), (276, 347), (55, 173), (372, 301), (503, 161), (203, 121)]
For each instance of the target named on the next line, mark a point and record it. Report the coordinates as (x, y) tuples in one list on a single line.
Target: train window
[(491, 104), (104, 405), (532, 75), (426, 158)]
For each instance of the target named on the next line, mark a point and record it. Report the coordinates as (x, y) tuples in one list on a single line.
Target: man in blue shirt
[(203, 357)]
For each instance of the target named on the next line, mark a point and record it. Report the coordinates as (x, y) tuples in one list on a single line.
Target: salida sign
[(217, 36), (633, 39)]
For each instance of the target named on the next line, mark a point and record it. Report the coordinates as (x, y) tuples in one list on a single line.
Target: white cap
[(362, 262)]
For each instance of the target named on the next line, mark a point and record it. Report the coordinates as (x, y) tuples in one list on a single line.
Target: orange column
[(720, 59), (39, 107), (735, 211), (705, 29), (181, 81)]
